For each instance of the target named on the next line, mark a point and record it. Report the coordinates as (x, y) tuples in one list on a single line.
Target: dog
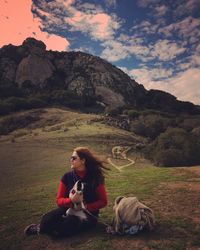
[(78, 208)]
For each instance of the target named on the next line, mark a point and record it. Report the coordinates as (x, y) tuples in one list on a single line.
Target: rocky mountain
[(31, 69)]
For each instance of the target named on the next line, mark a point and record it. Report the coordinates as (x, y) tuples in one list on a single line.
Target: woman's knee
[(51, 219), (69, 226)]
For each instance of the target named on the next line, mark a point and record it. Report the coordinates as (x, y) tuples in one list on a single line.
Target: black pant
[(54, 223)]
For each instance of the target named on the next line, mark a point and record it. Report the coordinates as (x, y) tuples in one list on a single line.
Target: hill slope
[(34, 158), (72, 79)]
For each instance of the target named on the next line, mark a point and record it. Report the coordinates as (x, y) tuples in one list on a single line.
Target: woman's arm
[(61, 200), (101, 199)]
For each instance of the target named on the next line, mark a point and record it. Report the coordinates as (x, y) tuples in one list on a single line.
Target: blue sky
[(155, 42)]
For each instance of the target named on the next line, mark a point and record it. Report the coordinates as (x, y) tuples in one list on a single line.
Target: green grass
[(29, 175)]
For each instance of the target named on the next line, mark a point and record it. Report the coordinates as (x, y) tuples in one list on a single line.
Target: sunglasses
[(73, 158)]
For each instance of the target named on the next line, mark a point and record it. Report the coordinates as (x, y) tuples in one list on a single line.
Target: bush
[(12, 104), (9, 89), (11, 123), (175, 147), (169, 157), (133, 113), (138, 127), (113, 111), (150, 126), (35, 102), (18, 103), (66, 98), (6, 108), (190, 123)]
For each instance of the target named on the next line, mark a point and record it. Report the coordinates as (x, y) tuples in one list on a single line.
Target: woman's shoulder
[(66, 176)]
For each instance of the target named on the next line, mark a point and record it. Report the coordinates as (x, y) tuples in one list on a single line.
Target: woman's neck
[(81, 173)]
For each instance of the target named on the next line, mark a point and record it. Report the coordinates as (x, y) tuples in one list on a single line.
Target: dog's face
[(78, 190)]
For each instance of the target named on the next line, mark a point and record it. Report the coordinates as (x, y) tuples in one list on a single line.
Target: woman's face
[(76, 162)]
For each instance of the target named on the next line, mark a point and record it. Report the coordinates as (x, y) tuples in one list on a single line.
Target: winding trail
[(123, 156)]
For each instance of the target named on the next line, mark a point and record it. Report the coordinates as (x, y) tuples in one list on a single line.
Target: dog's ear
[(79, 186)]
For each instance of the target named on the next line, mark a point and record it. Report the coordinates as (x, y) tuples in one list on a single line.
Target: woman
[(90, 170)]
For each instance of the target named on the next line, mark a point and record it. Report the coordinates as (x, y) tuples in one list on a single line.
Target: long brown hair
[(95, 167)]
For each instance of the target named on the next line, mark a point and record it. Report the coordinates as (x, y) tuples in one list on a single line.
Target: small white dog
[(78, 208)]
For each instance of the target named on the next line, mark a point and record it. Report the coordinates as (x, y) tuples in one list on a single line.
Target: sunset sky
[(156, 42)]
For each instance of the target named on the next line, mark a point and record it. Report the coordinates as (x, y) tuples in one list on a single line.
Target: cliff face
[(35, 69), (84, 75)]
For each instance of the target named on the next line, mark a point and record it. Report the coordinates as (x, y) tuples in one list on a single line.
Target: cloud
[(185, 7), (126, 46), (188, 29), (114, 51), (87, 18), (111, 3), (166, 50), (146, 75), (184, 85), (145, 28), (178, 8), (161, 10), (17, 23), (99, 26), (146, 3)]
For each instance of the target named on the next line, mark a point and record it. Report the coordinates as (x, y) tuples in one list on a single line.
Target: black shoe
[(32, 229)]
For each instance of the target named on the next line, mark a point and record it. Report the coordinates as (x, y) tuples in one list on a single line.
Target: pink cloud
[(17, 23)]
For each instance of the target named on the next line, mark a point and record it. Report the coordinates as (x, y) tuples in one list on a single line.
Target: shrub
[(113, 111), (12, 104), (18, 103), (65, 97), (11, 123), (6, 108), (175, 147), (35, 102), (133, 113), (9, 89), (190, 123), (151, 125), (169, 157), (138, 127)]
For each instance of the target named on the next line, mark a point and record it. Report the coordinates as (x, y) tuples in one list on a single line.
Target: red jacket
[(63, 200)]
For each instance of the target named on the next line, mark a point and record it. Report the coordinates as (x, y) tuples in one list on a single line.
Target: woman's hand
[(77, 198)]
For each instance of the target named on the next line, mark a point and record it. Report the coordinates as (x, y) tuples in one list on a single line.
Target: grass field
[(34, 158)]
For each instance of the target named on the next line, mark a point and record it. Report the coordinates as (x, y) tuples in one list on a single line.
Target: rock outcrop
[(81, 73), (34, 68), (84, 75)]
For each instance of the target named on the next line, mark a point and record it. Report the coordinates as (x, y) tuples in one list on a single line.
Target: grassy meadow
[(34, 158)]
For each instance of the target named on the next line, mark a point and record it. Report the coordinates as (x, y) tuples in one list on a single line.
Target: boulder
[(35, 69)]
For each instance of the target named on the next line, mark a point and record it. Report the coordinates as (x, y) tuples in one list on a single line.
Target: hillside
[(34, 157), (165, 139), (32, 77)]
